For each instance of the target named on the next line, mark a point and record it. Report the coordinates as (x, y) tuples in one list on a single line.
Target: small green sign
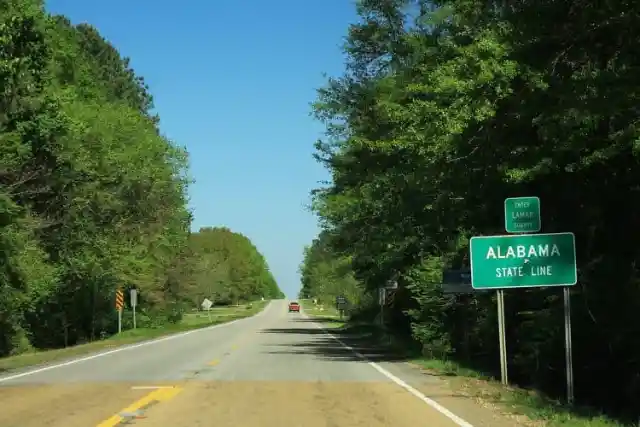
[(522, 215), (523, 261)]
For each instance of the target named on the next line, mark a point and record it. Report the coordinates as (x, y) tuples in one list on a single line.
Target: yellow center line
[(159, 395), (242, 340)]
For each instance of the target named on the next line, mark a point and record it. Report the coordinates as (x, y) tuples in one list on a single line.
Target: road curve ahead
[(270, 370)]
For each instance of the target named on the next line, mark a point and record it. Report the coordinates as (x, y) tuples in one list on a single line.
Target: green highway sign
[(523, 261), (522, 215)]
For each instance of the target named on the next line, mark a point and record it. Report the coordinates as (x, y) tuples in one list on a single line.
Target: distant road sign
[(206, 304), (461, 276), (133, 297), (519, 261), (522, 215), (457, 281)]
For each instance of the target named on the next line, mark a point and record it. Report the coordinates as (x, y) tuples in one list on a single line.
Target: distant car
[(294, 306)]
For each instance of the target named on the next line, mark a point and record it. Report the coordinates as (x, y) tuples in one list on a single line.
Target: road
[(269, 370)]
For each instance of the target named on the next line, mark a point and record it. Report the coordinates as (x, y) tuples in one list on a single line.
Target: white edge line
[(435, 405), (127, 347)]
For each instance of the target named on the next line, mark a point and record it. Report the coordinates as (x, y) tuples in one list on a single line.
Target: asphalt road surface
[(273, 369)]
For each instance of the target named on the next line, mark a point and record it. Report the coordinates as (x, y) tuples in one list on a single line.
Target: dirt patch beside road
[(64, 405), (308, 404)]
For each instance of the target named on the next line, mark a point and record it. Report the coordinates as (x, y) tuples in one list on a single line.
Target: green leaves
[(445, 110), (92, 196), (325, 276), (228, 268)]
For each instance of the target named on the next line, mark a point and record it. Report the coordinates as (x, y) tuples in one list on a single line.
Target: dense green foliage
[(445, 109), (228, 268), (325, 276), (92, 196)]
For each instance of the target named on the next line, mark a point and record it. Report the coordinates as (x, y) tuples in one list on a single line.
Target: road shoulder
[(13, 365), (433, 387), (481, 400)]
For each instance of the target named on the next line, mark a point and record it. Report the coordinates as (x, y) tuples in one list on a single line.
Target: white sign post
[(206, 305), (568, 348), (382, 297), (133, 298)]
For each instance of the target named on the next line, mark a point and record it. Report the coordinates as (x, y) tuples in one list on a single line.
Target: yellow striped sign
[(119, 299)]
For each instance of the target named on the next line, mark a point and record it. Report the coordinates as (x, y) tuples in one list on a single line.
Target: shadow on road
[(300, 331), (322, 319), (318, 343)]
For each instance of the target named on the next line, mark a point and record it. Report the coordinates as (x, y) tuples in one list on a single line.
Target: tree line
[(92, 196), (445, 109), (228, 268)]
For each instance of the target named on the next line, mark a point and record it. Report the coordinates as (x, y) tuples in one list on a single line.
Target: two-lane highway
[(272, 369)]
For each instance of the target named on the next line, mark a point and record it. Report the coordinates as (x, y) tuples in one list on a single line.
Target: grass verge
[(528, 407), (328, 315), (190, 321)]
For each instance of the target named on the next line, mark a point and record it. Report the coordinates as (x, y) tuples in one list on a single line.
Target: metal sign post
[(567, 343), (504, 375), (391, 284), (341, 305), (133, 299), (206, 304), (382, 296)]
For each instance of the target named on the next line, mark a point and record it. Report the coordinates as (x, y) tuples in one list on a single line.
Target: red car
[(294, 306)]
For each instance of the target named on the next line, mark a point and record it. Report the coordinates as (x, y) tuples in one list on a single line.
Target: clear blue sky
[(232, 81)]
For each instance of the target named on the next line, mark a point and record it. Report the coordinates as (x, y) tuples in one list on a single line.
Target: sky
[(232, 81)]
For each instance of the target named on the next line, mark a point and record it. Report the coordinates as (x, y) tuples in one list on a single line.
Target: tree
[(325, 276), (445, 109), (230, 268), (93, 198)]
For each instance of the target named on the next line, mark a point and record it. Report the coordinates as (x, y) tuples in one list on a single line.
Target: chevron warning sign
[(119, 299)]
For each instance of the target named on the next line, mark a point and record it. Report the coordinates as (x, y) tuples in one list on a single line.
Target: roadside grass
[(538, 409), (190, 321), (529, 407), (327, 315)]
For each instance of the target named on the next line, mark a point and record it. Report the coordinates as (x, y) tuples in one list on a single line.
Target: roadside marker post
[(341, 305), (133, 299), (568, 346), (502, 337), (382, 299), (119, 307), (206, 304), (525, 261), (390, 285)]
